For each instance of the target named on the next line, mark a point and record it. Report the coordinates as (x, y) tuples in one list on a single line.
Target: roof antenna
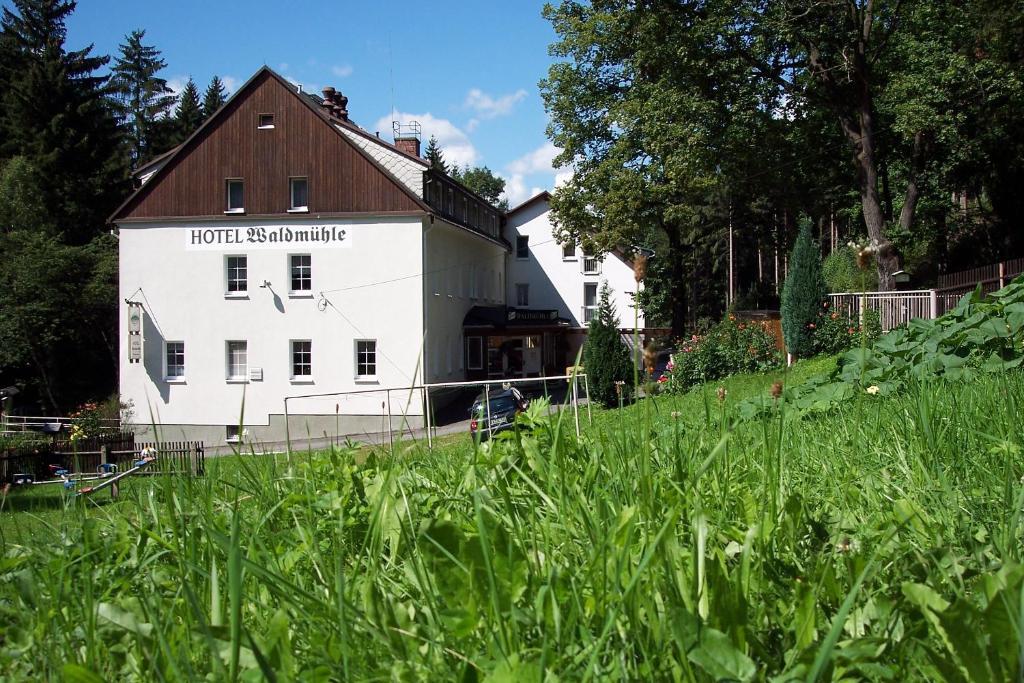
[(391, 76)]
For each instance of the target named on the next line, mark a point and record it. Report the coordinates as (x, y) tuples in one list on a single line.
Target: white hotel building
[(282, 251)]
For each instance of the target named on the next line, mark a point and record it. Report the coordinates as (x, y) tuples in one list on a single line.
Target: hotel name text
[(267, 237)]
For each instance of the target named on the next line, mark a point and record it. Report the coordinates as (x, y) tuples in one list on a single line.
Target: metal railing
[(894, 308), (590, 265), (42, 423), (588, 313)]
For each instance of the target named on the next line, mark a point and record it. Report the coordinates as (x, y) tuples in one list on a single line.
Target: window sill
[(243, 295), (175, 380), (299, 209), (572, 259), (235, 211), (300, 295), (302, 380), (237, 380), (366, 380), (270, 127), (233, 440)]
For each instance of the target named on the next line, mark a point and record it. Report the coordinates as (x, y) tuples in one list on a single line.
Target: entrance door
[(513, 352)]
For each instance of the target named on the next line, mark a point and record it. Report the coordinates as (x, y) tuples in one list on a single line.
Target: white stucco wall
[(456, 258), (182, 290), (556, 282)]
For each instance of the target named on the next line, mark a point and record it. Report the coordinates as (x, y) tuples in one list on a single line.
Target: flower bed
[(729, 347)]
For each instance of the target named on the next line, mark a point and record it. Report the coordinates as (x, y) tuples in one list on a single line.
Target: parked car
[(505, 404)]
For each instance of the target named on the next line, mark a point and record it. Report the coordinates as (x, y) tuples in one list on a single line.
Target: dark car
[(501, 415)]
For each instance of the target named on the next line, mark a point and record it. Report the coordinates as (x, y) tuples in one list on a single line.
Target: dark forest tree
[(482, 180), (145, 99), (215, 97), (434, 155), (189, 114)]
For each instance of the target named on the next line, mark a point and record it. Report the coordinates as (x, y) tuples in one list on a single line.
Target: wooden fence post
[(1002, 274), (103, 454), (933, 303)]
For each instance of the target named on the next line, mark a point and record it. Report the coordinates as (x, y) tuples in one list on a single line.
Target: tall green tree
[(434, 155), (482, 180), (215, 97), (189, 114), (605, 356), (55, 112), (145, 99), (802, 294)]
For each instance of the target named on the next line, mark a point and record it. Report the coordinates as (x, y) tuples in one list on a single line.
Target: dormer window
[(235, 196), (266, 121), (298, 190)]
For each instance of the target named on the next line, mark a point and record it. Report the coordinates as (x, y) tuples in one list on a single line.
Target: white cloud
[(538, 161), (517, 191), (283, 66), (563, 176), (455, 144), (342, 70), (488, 107), (230, 83), (177, 84), (306, 86)]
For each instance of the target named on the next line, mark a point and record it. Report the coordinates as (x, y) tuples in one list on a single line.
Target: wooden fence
[(85, 457)]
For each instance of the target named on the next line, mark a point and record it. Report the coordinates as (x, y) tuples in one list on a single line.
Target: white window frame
[(572, 256), (263, 124), (299, 379), (292, 206), (589, 258), (376, 360), (236, 378), (299, 293), (174, 379), (526, 242), (479, 342), (227, 195), (523, 288), (237, 294), (591, 309)]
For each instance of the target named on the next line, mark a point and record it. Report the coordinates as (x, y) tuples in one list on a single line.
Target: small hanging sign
[(134, 332)]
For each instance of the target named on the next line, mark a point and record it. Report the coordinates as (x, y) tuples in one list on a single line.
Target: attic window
[(266, 121)]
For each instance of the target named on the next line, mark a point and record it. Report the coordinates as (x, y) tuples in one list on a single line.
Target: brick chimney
[(407, 137), (335, 104)]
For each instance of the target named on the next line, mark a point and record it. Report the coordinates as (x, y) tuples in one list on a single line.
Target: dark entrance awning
[(507, 317)]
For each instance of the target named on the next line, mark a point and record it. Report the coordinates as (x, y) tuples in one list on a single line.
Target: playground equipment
[(107, 472)]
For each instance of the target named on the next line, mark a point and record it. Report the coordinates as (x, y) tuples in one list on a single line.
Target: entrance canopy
[(507, 318)]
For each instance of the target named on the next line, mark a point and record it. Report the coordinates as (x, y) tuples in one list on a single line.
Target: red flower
[(835, 316), (851, 330), (661, 379)]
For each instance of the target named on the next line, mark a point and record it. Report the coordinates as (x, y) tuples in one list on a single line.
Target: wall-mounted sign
[(255, 374), (268, 237), (535, 315), (134, 332)]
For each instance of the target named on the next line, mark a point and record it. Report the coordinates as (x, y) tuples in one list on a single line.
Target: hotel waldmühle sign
[(268, 237)]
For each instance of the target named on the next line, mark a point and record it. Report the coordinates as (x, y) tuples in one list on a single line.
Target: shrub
[(729, 347), (802, 294), (605, 356), (836, 330), (841, 273)]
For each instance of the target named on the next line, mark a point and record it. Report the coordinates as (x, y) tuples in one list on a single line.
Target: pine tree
[(802, 294), (143, 96), (434, 156), (216, 96), (605, 356), (189, 114), (56, 113)]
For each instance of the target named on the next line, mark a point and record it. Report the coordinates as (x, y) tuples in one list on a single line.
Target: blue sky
[(467, 71)]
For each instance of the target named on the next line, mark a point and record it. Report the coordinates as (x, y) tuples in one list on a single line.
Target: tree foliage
[(189, 114), (145, 101), (215, 97), (802, 294), (605, 356), (434, 155), (482, 180)]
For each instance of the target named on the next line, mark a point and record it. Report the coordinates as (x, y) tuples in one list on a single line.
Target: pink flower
[(671, 366), (662, 379), (812, 326), (693, 338)]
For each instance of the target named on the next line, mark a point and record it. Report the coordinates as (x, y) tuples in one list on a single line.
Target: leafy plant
[(837, 330)]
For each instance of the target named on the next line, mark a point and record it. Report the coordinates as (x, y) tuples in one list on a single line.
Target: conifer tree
[(55, 113), (605, 356), (143, 96), (434, 156), (189, 114), (802, 294), (215, 97)]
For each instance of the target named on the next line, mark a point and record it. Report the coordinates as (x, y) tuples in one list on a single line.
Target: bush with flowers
[(729, 347), (837, 330), (86, 422)]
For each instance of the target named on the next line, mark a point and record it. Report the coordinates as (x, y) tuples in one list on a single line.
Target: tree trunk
[(913, 189)]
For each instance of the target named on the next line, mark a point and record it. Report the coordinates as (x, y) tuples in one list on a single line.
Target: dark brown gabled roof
[(170, 158)]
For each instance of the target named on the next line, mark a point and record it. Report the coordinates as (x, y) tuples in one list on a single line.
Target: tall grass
[(673, 542)]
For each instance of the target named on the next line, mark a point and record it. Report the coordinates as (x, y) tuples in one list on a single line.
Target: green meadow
[(674, 541)]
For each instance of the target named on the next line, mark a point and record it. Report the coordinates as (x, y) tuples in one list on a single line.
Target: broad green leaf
[(720, 659)]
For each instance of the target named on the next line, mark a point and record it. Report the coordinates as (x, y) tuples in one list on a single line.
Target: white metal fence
[(894, 308)]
